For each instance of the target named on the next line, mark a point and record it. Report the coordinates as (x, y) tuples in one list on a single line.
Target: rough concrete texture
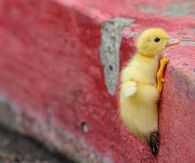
[(111, 36), (16, 148), (53, 79), (54, 139)]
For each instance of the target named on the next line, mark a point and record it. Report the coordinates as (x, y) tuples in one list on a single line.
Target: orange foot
[(160, 78)]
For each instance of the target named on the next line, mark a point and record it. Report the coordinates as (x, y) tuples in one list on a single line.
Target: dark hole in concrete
[(84, 127), (110, 67)]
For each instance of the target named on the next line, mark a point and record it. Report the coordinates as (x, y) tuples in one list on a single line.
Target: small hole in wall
[(110, 67), (84, 127)]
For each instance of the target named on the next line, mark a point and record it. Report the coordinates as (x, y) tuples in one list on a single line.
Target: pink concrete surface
[(50, 67)]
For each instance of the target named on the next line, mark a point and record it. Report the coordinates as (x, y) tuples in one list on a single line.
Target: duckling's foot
[(160, 78), (164, 60), (154, 143)]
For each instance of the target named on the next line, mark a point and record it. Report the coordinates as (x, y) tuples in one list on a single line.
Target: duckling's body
[(142, 106), (139, 89)]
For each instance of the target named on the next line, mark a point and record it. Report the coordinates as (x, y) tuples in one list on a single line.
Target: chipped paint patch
[(149, 10), (132, 34), (111, 35), (174, 9), (177, 9), (192, 43)]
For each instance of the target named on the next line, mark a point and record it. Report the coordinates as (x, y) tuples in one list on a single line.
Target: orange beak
[(172, 41)]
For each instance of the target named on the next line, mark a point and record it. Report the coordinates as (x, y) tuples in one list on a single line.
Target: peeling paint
[(184, 42), (150, 10), (111, 35), (178, 58), (177, 9), (174, 9), (132, 34)]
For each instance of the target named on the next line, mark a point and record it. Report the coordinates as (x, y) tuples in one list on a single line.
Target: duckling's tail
[(154, 143)]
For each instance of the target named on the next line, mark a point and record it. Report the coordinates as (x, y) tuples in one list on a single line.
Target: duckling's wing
[(129, 88)]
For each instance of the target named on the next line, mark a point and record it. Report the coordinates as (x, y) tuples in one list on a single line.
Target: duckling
[(141, 85)]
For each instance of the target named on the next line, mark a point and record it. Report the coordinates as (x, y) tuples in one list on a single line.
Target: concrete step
[(60, 61)]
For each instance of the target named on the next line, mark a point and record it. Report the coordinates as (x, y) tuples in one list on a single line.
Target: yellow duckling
[(141, 86)]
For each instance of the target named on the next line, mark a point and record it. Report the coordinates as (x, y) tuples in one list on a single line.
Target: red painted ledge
[(52, 81)]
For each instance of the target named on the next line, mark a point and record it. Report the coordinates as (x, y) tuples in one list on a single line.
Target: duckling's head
[(153, 41)]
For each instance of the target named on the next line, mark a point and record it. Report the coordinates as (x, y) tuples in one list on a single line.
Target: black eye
[(156, 39)]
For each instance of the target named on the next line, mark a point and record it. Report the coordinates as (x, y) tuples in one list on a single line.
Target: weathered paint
[(52, 71), (174, 9), (111, 36)]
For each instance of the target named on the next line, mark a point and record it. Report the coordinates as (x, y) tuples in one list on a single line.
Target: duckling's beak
[(172, 41)]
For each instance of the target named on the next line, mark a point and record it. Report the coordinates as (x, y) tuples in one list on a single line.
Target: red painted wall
[(50, 66)]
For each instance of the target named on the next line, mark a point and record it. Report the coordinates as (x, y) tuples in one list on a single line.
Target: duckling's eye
[(156, 39)]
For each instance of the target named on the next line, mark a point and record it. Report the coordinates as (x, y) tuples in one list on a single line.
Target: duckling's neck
[(147, 66), (148, 59), (148, 56)]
